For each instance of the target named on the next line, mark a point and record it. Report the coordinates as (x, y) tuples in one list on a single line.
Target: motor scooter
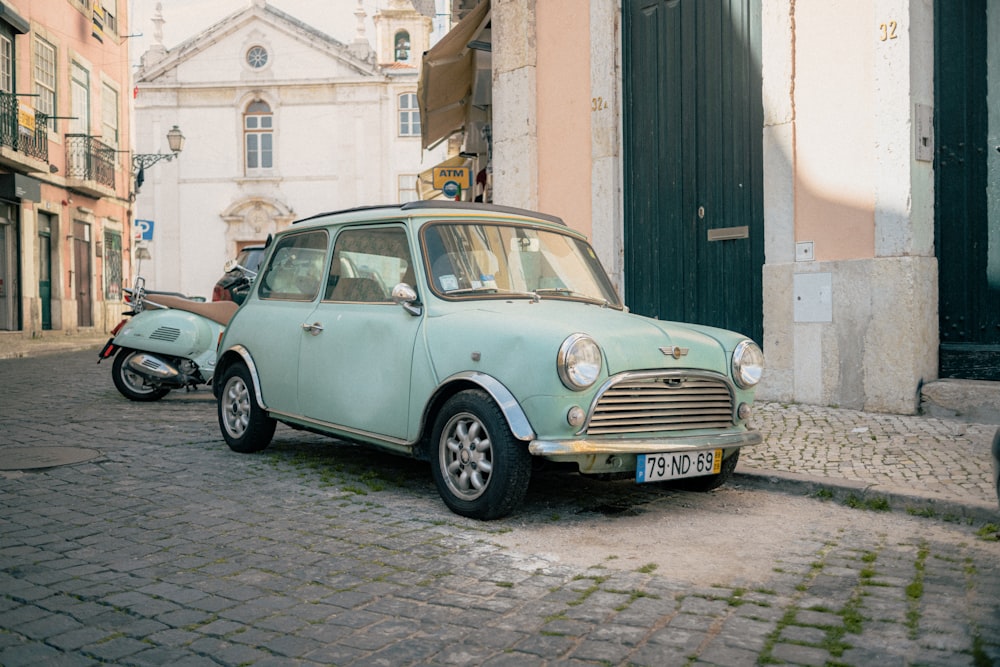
[(165, 342)]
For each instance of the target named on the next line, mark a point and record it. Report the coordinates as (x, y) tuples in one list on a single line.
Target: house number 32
[(887, 31)]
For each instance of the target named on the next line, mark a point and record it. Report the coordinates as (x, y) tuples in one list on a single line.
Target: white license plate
[(675, 465)]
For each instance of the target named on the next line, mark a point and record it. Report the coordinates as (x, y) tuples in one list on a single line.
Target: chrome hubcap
[(466, 456)]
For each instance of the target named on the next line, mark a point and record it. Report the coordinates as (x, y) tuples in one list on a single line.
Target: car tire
[(245, 426), (481, 470), (710, 482), (130, 384)]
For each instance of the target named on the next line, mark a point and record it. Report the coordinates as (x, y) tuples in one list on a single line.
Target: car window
[(468, 260), (295, 270), (367, 264)]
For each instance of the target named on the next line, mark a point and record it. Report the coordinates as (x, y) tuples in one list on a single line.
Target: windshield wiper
[(576, 295), (493, 290)]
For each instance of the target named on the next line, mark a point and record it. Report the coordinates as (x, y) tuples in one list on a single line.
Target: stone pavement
[(166, 548)]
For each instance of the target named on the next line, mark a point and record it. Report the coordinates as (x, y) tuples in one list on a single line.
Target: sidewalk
[(923, 465), (15, 345)]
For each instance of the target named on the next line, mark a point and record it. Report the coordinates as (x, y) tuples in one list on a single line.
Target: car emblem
[(675, 352)]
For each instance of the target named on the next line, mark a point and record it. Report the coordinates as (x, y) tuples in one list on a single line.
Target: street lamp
[(142, 161)]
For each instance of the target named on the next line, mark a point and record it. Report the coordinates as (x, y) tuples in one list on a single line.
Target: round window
[(257, 57)]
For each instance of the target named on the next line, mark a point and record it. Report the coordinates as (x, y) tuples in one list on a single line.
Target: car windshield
[(474, 260)]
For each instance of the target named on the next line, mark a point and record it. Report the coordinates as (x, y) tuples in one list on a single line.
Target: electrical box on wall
[(813, 294)]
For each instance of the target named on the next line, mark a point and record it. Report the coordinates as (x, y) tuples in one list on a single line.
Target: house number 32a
[(887, 31), (598, 104)]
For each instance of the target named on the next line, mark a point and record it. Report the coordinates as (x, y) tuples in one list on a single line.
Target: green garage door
[(967, 186), (693, 122)]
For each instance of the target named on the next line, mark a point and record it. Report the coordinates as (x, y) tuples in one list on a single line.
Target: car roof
[(428, 208)]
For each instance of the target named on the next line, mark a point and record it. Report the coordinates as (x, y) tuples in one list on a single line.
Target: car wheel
[(245, 426), (130, 384), (709, 482), (481, 470)]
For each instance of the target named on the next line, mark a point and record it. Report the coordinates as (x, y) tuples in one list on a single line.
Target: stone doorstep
[(976, 401)]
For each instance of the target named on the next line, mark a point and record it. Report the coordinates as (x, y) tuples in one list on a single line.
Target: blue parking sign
[(144, 230)]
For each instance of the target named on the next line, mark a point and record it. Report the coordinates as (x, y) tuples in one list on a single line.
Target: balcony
[(90, 166), (24, 136)]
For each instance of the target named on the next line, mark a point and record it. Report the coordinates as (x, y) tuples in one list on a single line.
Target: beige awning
[(425, 181), (446, 75)]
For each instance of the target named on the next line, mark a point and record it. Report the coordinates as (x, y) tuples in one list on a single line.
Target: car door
[(287, 289), (356, 357)]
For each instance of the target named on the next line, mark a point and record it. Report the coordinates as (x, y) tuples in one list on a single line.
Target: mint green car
[(482, 339)]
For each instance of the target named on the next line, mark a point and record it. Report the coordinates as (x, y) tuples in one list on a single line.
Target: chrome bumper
[(612, 446)]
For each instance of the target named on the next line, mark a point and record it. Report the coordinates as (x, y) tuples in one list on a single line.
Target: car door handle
[(315, 328)]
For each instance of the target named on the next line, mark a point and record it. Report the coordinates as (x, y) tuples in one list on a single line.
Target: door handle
[(315, 328)]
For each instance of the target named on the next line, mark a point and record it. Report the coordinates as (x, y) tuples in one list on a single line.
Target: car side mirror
[(406, 296)]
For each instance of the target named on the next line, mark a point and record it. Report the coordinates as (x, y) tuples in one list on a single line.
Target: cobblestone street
[(167, 548)]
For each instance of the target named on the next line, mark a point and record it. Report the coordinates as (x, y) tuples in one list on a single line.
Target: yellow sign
[(460, 175), (26, 117)]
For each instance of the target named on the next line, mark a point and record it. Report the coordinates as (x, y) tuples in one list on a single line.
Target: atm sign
[(460, 175)]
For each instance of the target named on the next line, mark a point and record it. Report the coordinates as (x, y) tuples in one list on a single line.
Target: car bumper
[(555, 449)]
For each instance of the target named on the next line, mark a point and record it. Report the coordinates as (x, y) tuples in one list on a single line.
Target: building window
[(109, 114), (112, 265), (406, 187), (45, 79), (79, 99), (6, 65), (409, 115), (258, 133), (257, 57), (402, 46)]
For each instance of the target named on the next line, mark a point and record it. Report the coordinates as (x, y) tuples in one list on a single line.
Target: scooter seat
[(217, 311)]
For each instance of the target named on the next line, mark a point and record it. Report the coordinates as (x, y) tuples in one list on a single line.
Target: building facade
[(65, 171), (821, 176), (281, 121)]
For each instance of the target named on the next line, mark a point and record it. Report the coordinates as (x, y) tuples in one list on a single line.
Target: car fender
[(226, 360), (511, 409)]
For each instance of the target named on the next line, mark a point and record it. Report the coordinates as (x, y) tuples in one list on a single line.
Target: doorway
[(45, 225), (9, 292), (693, 162), (83, 281), (967, 186)]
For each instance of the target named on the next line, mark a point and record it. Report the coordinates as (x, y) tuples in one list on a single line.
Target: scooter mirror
[(230, 265)]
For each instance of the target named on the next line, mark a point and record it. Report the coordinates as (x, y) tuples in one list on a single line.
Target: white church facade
[(280, 122)]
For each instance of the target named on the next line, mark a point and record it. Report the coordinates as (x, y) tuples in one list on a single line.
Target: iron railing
[(89, 159), (34, 143)]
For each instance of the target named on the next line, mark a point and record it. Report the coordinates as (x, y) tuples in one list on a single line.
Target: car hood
[(629, 342)]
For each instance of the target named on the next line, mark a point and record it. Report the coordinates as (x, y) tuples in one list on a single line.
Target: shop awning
[(446, 76)]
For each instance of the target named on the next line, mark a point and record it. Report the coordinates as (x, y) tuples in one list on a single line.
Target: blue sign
[(451, 189), (144, 230)]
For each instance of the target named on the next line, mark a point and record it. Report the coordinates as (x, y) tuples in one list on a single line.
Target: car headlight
[(579, 362), (748, 364)]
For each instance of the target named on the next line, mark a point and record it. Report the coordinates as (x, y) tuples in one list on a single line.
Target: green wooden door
[(693, 123), (967, 186)]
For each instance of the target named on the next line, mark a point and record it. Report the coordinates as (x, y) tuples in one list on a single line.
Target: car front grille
[(653, 402)]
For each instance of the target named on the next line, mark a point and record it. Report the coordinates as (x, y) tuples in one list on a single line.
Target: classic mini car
[(482, 339)]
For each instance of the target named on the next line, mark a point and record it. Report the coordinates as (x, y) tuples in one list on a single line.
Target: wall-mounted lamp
[(143, 161)]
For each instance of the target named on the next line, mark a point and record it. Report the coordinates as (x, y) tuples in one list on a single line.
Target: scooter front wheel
[(130, 384)]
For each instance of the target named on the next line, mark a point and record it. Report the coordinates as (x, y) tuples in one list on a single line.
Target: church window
[(409, 115), (257, 57), (258, 136)]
